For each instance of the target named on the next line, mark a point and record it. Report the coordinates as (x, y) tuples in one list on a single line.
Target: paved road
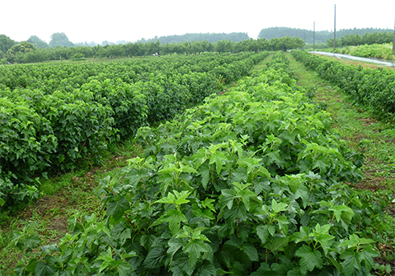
[(371, 60)]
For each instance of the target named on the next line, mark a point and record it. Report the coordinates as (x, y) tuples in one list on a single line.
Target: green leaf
[(61, 158), (170, 199), (322, 164), (246, 195), (274, 157), (123, 267), (262, 233), (240, 174), (351, 262), (174, 245), (303, 193), (208, 203), (342, 211), (204, 171), (32, 265), (355, 241), (32, 242), (263, 172), (117, 208), (219, 159), (43, 269), (278, 207), (262, 185), (321, 235), (135, 175), (302, 235), (277, 244), (251, 252), (206, 270), (309, 259), (271, 229), (283, 224), (208, 214), (367, 254), (155, 257), (249, 163), (194, 248), (226, 198), (181, 197), (188, 169), (174, 218)]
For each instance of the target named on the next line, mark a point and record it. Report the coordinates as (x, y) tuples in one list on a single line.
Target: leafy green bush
[(128, 103), (27, 142)]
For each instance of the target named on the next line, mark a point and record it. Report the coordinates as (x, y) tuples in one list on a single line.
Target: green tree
[(37, 42), (60, 39), (6, 43), (152, 48), (19, 49), (210, 37), (263, 44), (207, 46), (224, 46), (197, 47)]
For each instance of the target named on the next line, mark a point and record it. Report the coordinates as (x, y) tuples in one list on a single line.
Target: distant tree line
[(320, 36), (367, 38), (34, 54), (210, 37), (61, 40)]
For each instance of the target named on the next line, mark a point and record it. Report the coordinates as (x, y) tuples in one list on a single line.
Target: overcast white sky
[(88, 20)]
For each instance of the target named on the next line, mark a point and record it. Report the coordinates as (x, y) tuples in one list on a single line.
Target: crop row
[(69, 76), (43, 132), (371, 88), (248, 183)]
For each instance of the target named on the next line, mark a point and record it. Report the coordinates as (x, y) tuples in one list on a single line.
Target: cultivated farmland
[(254, 181)]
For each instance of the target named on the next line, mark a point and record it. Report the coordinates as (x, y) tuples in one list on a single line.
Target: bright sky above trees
[(127, 20)]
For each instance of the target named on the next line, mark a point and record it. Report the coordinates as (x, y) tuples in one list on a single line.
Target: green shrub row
[(50, 132), (249, 183), (69, 76), (372, 88)]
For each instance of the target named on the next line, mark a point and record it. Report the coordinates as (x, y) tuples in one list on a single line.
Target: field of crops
[(53, 116), (251, 182)]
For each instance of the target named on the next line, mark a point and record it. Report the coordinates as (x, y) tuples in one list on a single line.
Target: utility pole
[(334, 33), (393, 42), (314, 37)]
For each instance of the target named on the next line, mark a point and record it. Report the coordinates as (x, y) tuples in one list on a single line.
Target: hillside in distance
[(320, 36), (210, 37)]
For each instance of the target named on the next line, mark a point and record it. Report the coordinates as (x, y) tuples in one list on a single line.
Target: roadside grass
[(372, 137)]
